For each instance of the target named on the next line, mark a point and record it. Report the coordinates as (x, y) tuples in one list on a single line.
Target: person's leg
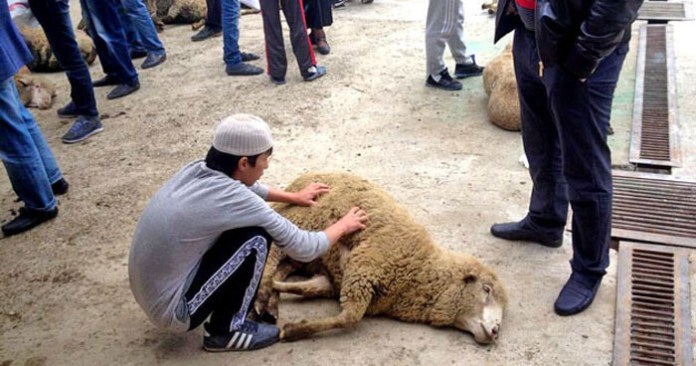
[(143, 25), (23, 159), (439, 27), (54, 17), (273, 35), (110, 41), (230, 32), (224, 289), (213, 18), (135, 44), (301, 46), (465, 64)]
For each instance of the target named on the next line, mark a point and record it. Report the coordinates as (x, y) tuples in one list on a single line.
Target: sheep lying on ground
[(391, 268), (500, 85), (44, 59), (177, 11), (33, 90)]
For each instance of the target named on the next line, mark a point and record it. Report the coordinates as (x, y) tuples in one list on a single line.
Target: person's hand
[(353, 221), (308, 195)]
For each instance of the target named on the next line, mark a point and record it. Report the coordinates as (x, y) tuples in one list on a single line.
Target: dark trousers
[(227, 280), (273, 33), (105, 28), (54, 17), (564, 132), (213, 17)]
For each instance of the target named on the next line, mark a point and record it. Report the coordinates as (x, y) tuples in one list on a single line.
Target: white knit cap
[(243, 135)]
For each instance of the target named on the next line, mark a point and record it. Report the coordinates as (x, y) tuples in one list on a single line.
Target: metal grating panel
[(654, 208), (653, 323), (665, 11), (655, 131)]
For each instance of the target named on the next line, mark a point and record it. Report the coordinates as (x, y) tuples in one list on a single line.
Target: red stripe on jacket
[(526, 4)]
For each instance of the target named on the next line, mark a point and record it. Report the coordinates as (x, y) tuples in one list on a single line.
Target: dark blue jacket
[(13, 51), (577, 34)]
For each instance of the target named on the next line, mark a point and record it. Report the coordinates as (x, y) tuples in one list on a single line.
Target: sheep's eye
[(487, 289)]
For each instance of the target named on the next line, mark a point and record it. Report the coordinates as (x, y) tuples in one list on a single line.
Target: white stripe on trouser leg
[(258, 244), (234, 338)]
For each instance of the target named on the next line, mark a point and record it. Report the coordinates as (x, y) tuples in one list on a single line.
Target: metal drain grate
[(664, 11), (653, 324), (654, 208), (655, 132)]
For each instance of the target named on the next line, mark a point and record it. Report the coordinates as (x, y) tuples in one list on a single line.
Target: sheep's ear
[(469, 278)]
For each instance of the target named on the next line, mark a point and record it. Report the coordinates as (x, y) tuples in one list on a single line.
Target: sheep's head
[(474, 302)]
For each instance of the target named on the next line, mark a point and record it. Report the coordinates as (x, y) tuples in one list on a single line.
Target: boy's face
[(248, 174)]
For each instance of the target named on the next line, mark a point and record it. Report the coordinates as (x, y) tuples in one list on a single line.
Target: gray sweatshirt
[(182, 222)]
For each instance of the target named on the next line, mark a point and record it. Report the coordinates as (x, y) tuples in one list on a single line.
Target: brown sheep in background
[(491, 5), (391, 268), (177, 11), (500, 85), (44, 59), (34, 91)]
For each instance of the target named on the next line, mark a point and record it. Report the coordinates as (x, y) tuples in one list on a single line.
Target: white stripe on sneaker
[(241, 340), (246, 344), (230, 344)]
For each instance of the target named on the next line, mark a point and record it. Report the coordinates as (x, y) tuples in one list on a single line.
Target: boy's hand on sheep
[(351, 222), (307, 197)]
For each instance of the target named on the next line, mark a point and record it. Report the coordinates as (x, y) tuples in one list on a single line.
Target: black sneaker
[(462, 71), (446, 82), (153, 59), (251, 336), (60, 187), (122, 90), (70, 110), (243, 69), (248, 56), (205, 33), (27, 219), (278, 80)]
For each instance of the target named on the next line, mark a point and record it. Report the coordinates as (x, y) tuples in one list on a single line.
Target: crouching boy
[(200, 247)]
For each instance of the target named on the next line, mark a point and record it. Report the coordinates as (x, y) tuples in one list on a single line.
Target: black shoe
[(577, 294), (70, 110), (323, 49), (315, 72), (248, 56), (522, 231), (27, 219), (153, 59), (137, 54), (60, 187), (105, 81), (206, 33), (250, 336), (243, 69), (462, 71), (278, 81), (446, 82), (122, 90)]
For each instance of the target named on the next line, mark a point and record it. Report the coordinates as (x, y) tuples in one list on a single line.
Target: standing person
[(29, 162), (318, 15), (200, 246), (54, 17), (141, 32), (566, 71), (105, 28), (444, 25), (235, 60), (301, 46), (213, 22)]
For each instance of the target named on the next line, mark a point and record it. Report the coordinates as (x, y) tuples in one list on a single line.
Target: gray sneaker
[(83, 128), (250, 336)]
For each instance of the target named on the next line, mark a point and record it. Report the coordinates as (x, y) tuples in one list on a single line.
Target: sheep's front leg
[(266, 304), (315, 287), (354, 302)]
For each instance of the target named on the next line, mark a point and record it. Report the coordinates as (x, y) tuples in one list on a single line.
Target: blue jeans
[(564, 132), (104, 25), (54, 17), (24, 152), (139, 27), (213, 17), (230, 32)]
